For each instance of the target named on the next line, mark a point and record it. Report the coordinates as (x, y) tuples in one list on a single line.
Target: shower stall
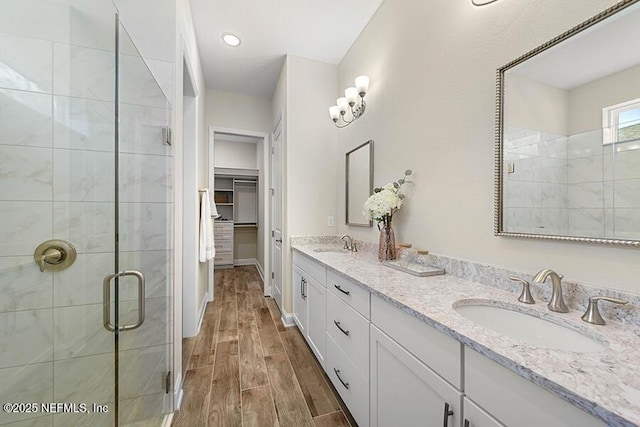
[(86, 221)]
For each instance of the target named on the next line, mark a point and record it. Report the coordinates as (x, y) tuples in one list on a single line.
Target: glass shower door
[(82, 159), (145, 208), (57, 156)]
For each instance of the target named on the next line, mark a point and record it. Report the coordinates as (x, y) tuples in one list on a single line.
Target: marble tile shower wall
[(604, 187), (57, 160), (536, 198), (571, 185)]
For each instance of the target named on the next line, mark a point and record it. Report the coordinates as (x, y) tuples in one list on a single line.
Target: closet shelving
[(236, 199)]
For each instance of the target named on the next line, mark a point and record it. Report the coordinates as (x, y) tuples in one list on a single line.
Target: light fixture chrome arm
[(353, 101)]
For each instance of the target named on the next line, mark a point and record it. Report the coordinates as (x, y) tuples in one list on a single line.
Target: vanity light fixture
[(353, 101), (231, 39)]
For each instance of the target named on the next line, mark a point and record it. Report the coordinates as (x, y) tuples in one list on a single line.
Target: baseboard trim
[(245, 261), (178, 394), (287, 320), (260, 272), (203, 309), (168, 418)]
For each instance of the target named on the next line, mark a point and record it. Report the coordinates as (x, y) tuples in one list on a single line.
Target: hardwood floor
[(246, 369)]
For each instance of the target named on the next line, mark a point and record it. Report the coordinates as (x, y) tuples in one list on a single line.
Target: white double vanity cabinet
[(393, 369)]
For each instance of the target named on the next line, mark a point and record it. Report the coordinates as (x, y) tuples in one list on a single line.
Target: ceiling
[(269, 29), (602, 50)]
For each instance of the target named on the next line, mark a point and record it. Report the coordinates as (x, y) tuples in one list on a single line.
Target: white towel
[(207, 246)]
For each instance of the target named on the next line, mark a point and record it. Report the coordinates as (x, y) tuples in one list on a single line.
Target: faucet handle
[(354, 248), (592, 315), (525, 295)]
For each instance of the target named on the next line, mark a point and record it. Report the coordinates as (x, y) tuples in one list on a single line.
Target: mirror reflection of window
[(570, 135), (621, 122)]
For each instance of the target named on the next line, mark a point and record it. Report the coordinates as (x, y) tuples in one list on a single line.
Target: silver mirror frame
[(346, 218), (499, 128)]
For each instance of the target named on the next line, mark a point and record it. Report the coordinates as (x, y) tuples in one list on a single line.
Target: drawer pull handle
[(346, 332), (466, 422), (447, 414), (341, 290), (337, 371)]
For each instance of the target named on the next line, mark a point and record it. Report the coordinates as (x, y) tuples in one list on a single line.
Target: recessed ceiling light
[(231, 39)]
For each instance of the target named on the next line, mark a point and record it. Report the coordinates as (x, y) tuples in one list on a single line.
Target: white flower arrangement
[(385, 201)]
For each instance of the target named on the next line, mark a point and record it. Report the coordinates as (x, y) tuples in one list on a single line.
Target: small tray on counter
[(415, 269)]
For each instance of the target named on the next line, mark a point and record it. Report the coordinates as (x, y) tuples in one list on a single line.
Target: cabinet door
[(515, 401), (474, 416), (317, 318), (299, 300), (405, 392)]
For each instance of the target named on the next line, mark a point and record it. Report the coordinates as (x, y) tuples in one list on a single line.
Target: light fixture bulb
[(231, 39), (334, 112), (351, 93), (342, 104), (362, 85)]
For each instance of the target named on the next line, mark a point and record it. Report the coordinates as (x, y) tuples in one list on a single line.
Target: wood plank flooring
[(246, 369)]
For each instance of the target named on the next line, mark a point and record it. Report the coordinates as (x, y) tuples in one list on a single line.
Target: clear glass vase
[(387, 247)]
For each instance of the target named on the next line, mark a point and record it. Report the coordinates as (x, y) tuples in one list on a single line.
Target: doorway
[(238, 169)]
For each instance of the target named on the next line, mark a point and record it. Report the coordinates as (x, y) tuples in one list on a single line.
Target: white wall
[(234, 154), (533, 105), (186, 44), (310, 154), (236, 111), (587, 101), (431, 108)]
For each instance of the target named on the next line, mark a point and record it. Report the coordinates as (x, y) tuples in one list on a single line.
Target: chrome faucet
[(349, 244), (557, 302)]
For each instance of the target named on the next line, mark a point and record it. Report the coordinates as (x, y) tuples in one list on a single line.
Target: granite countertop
[(604, 383)]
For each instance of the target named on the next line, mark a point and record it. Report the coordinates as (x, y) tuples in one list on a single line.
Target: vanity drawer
[(436, 350), (354, 295), (353, 339), (223, 230), (223, 245), (223, 235), (222, 226), (223, 258), (311, 267), (352, 387)]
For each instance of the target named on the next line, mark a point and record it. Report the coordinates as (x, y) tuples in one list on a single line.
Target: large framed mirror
[(359, 183), (568, 135)]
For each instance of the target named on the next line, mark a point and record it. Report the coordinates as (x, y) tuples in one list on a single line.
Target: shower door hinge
[(166, 135), (167, 383), (273, 275), (273, 233)]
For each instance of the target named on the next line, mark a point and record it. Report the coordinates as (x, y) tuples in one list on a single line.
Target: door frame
[(263, 182), (278, 124)]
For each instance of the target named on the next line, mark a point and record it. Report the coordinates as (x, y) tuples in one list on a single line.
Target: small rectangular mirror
[(359, 183)]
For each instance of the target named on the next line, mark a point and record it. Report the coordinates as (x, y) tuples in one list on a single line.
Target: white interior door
[(276, 214)]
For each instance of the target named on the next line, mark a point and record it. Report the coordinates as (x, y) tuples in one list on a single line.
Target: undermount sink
[(332, 249), (528, 326)]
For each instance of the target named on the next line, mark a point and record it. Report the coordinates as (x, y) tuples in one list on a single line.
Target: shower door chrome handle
[(106, 300)]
